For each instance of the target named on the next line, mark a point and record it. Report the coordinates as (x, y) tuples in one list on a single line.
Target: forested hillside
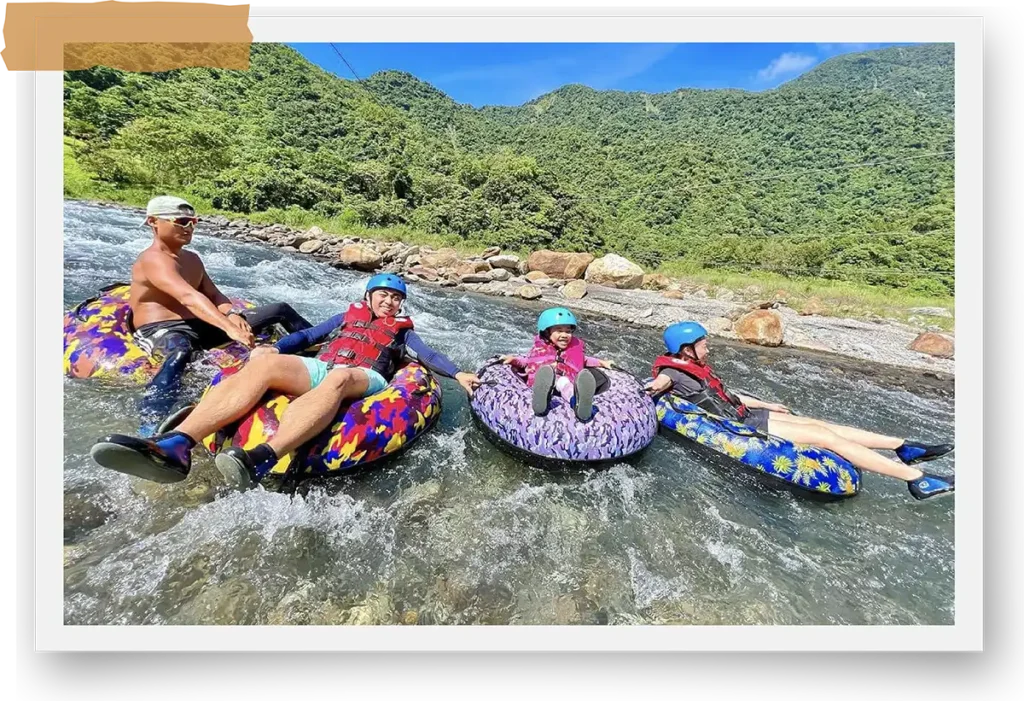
[(722, 178)]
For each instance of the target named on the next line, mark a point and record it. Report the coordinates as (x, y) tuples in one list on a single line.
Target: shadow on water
[(457, 532)]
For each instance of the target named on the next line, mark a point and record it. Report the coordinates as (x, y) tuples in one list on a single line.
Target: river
[(455, 532)]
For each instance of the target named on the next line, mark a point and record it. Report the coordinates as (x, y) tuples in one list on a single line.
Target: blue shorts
[(318, 370)]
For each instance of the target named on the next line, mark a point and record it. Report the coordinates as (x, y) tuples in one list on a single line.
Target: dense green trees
[(723, 178)]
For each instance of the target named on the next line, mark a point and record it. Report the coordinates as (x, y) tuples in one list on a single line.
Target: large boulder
[(499, 274), (311, 246), (763, 327), (424, 273), (528, 292), (537, 276), (559, 264), (615, 271), (936, 344), (576, 289), (360, 256), (472, 267), (506, 261), (445, 258)]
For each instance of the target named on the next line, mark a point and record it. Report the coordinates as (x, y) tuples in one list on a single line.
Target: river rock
[(939, 345), (813, 307), (528, 292), (499, 274), (260, 234), (577, 289), (763, 327), (506, 261), (412, 261), (656, 281), (932, 311), (615, 271), (238, 224), (718, 325), (445, 258), (314, 232), (471, 267), (311, 246), (474, 277), (360, 256), (537, 276), (700, 293), (490, 252), (559, 264), (673, 294), (725, 295), (290, 249)]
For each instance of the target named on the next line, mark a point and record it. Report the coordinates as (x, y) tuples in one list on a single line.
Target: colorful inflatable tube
[(806, 469), (624, 422), (363, 431), (98, 343)]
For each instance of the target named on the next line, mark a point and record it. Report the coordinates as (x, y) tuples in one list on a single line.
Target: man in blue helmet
[(365, 345), (684, 370)]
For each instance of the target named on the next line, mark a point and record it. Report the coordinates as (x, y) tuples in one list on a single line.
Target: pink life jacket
[(568, 362)]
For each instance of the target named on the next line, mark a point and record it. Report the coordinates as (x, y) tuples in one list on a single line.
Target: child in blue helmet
[(557, 361), (684, 370), (363, 348)]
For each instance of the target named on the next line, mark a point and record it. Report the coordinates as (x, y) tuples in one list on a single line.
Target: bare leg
[(237, 395), (861, 456), (864, 438), (315, 410)]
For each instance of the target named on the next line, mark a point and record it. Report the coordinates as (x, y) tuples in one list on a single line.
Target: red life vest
[(713, 397), (569, 362), (366, 341)]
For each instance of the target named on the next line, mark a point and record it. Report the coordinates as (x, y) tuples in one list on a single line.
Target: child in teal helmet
[(684, 370), (557, 361)]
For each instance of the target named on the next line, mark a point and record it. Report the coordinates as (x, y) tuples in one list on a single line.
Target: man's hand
[(468, 380), (779, 408), (239, 321), (237, 334)]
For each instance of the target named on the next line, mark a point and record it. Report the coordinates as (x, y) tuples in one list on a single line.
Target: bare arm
[(162, 273), (661, 383), (207, 288), (758, 404), (751, 402)]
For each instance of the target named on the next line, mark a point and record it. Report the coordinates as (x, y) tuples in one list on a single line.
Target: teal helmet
[(386, 281), (556, 316), (685, 333)]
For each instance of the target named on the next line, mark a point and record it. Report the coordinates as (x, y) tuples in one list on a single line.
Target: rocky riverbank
[(616, 288)]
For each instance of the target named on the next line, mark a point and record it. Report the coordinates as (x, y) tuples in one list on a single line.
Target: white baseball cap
[(166, 205)]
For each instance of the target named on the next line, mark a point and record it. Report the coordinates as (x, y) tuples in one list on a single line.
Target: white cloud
[(786, 64)]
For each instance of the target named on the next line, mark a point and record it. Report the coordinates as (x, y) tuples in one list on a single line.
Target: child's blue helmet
[(684, 333), (556, 316)]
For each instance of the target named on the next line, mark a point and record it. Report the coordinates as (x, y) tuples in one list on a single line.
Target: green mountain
[(845, 172)]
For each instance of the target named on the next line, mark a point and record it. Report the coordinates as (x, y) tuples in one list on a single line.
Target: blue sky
[(511, 74)]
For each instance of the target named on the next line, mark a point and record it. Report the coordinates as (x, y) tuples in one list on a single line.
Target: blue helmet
[(682, 334), (386, 281), (556, 316)]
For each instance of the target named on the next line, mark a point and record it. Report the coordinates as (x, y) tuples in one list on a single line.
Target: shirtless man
[(176, 308)]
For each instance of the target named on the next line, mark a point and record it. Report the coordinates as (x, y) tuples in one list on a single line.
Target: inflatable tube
[(623, 425), (364, 431), (97, 342), (808, 470)]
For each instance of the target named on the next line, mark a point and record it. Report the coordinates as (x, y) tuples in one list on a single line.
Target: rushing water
[(456, 532)]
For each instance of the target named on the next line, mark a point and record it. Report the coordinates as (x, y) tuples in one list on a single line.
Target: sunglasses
[(184, 222)]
